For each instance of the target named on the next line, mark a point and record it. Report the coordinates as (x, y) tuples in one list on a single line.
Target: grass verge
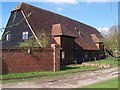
[(110, 61), (112, 83), (44, 74)]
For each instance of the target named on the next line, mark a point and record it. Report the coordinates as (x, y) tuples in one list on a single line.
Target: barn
[(75, 39)]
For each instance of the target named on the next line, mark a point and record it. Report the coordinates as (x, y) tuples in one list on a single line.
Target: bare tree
[(111, 40)]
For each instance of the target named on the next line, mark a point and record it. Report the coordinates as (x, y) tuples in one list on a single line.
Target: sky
[(99, 14)]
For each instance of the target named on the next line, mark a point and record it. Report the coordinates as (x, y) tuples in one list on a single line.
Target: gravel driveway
[(67, 81)]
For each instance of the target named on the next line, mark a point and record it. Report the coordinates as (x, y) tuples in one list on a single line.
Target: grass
[(111, 61), (112, 83), (43, 74)]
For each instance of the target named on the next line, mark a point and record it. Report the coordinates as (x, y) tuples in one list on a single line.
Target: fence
[(29, 60), (106, 62), (92, 61)]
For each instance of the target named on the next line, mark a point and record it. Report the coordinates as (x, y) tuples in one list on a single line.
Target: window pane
[(63, 55), (26, 32), (23, 32), (25, 35), (8, 36)]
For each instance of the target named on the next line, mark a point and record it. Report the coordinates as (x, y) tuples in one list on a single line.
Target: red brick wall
[(19, 60)]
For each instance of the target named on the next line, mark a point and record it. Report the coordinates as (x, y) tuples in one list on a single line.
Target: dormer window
[(8, 36), (25, 35)]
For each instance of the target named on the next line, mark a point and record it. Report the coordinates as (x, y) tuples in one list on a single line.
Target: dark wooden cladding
[(67, 47), (15, 31)]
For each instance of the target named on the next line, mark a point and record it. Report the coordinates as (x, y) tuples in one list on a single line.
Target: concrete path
[(69, 81)]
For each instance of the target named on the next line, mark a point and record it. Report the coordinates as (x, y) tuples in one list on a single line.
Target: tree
[(44, 39), (32, 42), (111, 40)]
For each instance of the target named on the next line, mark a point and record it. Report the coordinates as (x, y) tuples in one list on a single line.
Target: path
[(71, 81), (98, 65)]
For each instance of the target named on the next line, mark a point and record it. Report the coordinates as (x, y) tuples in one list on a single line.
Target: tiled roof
[(55, 24), (17, 7), (58, 29)]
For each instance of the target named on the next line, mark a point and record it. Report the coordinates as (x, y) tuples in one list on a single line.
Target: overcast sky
[(102, 14)]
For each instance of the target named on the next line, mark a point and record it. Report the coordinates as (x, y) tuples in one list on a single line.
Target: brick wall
[(19, 60)]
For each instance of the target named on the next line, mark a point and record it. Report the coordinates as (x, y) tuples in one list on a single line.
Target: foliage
[(111, 61), (111, 40), (44, 39), (31, 42)]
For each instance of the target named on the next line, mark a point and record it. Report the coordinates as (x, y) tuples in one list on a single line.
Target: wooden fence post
[(83, 62), (54, 62), (89, 61), (95, 60)]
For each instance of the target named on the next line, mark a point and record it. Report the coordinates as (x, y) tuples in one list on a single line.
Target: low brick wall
[(19, 60)]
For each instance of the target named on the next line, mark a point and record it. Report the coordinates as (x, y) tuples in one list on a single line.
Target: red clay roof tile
[(43, 20)]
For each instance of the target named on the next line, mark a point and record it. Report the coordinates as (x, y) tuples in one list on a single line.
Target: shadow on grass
[(69, 68)]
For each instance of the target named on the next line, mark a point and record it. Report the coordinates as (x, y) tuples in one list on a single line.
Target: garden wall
[(30, 60)]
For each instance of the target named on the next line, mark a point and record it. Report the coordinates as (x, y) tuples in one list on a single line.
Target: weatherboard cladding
[(42, 20), (15, 31)]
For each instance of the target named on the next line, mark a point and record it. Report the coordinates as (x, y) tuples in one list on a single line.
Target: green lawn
[(111, 61), (65, 70), (112, 83)]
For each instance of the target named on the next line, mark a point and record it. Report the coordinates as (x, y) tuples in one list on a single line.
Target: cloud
[(104, 30), (62, 1), (77, 1), (59, 9), (54, 1), (98, 0)]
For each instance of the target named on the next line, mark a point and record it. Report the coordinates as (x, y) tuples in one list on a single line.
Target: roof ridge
[(18, 7), (23, 3)]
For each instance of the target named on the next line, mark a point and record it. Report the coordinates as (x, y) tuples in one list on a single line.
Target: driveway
[(67, 81)]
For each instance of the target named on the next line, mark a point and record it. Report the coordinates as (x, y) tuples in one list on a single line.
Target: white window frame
[(8, 37), (63, 55), (25, 35)]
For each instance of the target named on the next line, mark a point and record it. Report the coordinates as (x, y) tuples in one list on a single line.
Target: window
[(63, 55), (8, 36), (25, 35)]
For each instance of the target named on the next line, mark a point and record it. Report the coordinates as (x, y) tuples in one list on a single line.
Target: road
[(67, 81)]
